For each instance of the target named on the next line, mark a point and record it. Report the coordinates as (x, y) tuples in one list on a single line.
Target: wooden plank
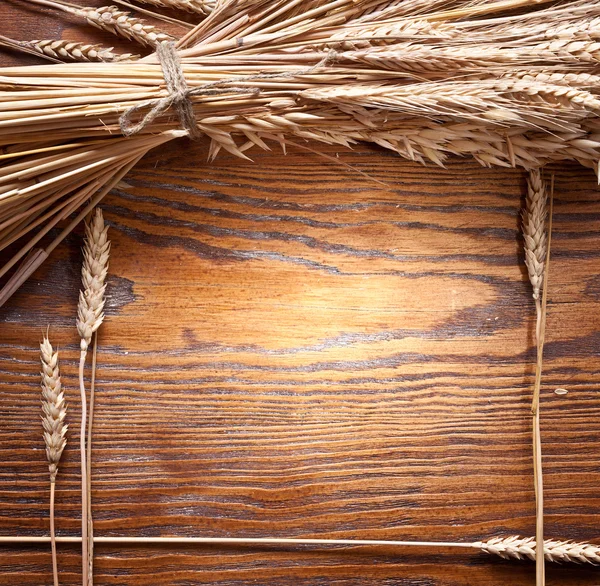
[(294, 349)]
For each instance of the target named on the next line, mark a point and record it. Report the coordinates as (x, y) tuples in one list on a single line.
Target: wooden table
[(294, 347)]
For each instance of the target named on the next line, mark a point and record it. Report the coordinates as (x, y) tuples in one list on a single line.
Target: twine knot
[(177, 97)]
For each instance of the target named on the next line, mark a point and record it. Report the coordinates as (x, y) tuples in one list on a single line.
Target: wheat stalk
[(512, 548), (96, 253), (54, 411), (537, 254), (90, 316)]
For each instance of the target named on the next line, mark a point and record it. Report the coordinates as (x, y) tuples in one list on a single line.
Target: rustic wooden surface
[(294, 349)]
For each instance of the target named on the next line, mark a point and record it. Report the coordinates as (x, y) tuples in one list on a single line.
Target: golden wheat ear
[(62, 50), (120, 23), (534, 230), (204, 7), (515, 547), (54, 408), (96, 252)]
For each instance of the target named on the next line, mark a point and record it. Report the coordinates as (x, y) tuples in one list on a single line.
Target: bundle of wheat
[(507, 82)]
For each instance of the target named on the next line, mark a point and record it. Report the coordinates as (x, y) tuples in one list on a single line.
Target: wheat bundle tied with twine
[(507, 82)]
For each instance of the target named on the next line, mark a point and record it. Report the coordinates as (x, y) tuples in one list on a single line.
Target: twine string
[(179, 93), (176, 97)]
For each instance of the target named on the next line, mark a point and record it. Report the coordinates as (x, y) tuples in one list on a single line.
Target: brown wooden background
[(293, 349)]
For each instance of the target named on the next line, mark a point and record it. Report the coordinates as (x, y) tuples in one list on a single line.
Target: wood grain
[(293, 348)]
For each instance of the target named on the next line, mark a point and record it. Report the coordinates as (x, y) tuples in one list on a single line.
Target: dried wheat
[(54, 411), (356, 39), (424, 78), (119, 22), (537, 254), (512, 548), (579, 80), (577, 51), (198, 6), (96, 253), (54, 408), (93, 274), (90, 316), (534, 230), (74, 51), (554, 550), (504, 102)]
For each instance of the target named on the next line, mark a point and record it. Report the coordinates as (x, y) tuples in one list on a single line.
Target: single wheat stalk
[(537, 249), (96, 253), (54, 410), (74, 51), (90, 316), (514, 547)]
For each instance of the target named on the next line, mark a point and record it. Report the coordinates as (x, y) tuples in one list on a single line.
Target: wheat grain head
[(119, 22), (534, 230), (516, 547), (96, 253), (74, 51), (198, 6), (54, 408)]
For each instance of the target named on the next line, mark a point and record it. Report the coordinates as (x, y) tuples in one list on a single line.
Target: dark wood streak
[(294, 349)]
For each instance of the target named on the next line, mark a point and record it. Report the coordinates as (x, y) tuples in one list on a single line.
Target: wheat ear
[(198, 6), (93, 274), (90, 316), (54, 411), (537, 248), (534, 230), (554, 550), (73, 51), (119, 22)]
